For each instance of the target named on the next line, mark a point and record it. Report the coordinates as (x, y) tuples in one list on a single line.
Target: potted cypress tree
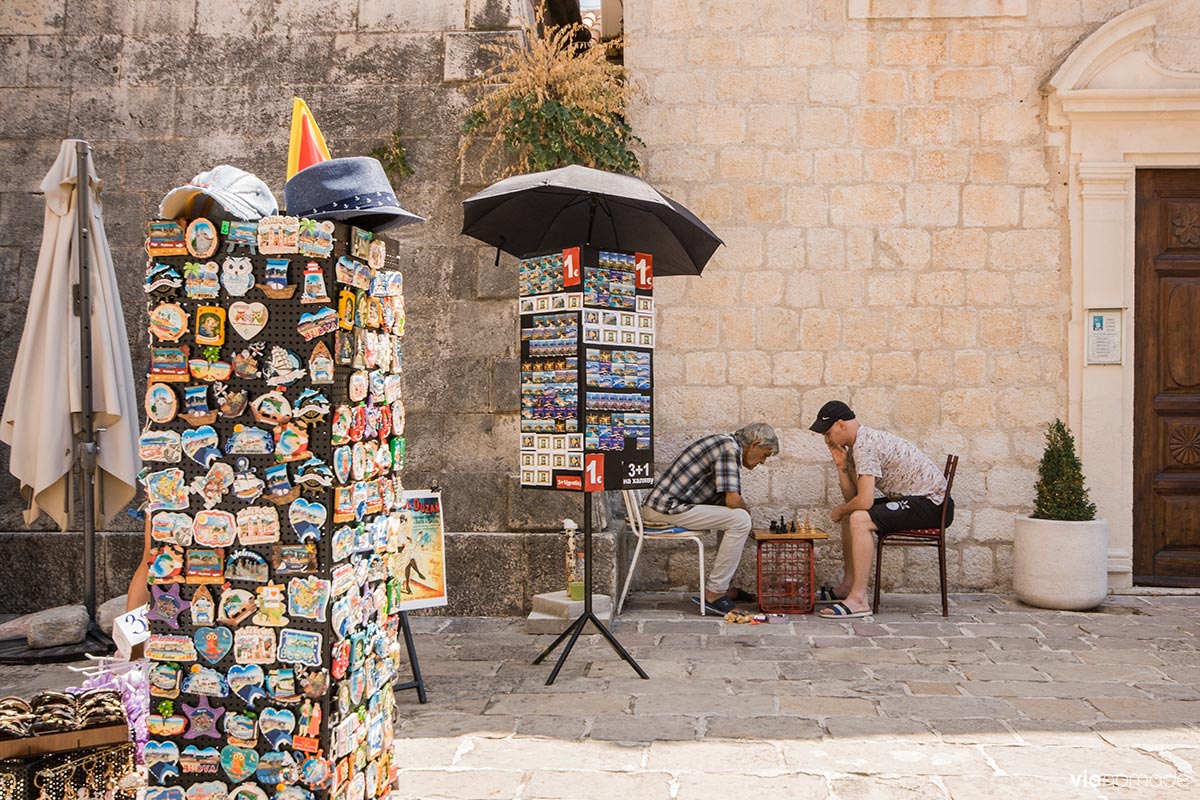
[(1060, 553)]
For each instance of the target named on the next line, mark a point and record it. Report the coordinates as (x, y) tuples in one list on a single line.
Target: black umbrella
[(575, 205)]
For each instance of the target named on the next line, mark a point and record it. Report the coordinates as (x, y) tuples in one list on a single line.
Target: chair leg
[(942, 574), (703, 596), (878, 571), (629, 575)]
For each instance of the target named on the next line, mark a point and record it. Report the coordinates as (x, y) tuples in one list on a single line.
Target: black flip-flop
[(842, 611), (722, 605)]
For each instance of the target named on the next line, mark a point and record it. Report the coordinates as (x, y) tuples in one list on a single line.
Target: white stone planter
[(1060, 565)]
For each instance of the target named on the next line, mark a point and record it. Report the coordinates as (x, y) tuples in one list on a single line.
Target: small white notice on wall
[(1104, 336)]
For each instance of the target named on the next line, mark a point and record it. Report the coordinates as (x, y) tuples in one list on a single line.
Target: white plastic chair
[(633, 513)]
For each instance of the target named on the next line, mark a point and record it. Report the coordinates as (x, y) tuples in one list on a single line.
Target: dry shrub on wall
[(550, 101)]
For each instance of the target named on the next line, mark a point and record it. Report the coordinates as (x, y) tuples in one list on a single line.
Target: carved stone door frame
[(1122, 110)]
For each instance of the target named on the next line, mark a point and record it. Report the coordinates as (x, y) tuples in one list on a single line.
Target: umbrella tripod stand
[(95, 642), (575, 628)]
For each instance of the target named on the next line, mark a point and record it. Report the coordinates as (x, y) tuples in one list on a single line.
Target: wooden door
[(1166, 427)]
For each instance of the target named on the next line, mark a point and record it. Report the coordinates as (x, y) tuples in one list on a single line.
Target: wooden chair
[(925, 537), (643, 532)]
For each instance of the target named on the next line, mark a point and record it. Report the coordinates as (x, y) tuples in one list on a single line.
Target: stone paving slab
[(996, 701)]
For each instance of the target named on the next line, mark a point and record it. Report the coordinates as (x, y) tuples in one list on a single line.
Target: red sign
[(570, 483), (571, 267), (593, 472), (643, 270)]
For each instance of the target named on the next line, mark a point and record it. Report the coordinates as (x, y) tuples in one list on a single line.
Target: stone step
[(538, 623), (560, 604)]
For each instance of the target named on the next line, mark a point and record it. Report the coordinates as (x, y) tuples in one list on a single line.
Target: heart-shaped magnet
[(212, 643), (306, 518), (200, 445), (239, 763), (248, 319), (209, 790), (246, 681), (155, 752)]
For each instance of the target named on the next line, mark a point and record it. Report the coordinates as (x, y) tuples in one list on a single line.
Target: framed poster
[(422, 569)]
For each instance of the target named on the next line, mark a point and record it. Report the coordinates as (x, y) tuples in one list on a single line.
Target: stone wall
[(895, 213)]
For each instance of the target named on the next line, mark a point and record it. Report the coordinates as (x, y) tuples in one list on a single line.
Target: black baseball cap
[(830, 413)]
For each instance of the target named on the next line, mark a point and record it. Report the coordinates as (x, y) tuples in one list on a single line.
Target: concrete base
[(554, 611)]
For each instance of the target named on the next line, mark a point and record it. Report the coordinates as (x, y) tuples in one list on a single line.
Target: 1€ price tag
[(130, 630)]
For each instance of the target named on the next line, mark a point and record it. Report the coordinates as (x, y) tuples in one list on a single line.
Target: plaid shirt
[(700, 475)]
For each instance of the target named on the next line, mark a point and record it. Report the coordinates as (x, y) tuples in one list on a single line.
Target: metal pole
[(83, 308)]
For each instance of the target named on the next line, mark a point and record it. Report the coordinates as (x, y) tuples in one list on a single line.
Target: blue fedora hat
[(353, 190)]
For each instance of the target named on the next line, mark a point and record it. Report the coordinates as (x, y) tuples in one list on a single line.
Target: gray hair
[(759, 433)]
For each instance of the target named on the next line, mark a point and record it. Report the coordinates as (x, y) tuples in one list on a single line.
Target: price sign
[(643, 266), (571, 267), (130, 630), (593, 472)]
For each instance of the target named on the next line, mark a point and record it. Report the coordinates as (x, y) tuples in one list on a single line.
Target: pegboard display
[(587, 347), (281, 531)]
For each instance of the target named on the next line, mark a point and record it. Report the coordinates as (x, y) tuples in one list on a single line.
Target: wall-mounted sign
[(1103, 335)]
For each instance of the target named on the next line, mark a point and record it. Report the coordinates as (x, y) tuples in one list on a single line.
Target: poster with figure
[(422, 551)]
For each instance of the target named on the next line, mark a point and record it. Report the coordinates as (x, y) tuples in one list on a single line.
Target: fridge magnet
[(359, 384), (398, 446), (163, 281), (311, 407), (166, 490), (279, 488), (254, 645), (246, 681), (247, 791), (214, 528), (161, 759), (247, 486), (239, 763), (165, 565), (202, 760), (165, 238), (210, 368), (203, 565), (201, 280), (172, 527), (342, 543), (300, 647), (277, 767), (315, 683), (166, 605), (291, 442), (248, 319), (237, 276), (397, 355), (170, 647), (168, 364), (343, 504), (308, 598), (202, 720), (166, 722), (160, 446), (275, 280), (343, 343), (393, 388), (370, 312), (343, 418), (283, 367), (346, 309), (209, 790), (278, 235), (241, 729), (168, 322), (204, 681), (204, 609), (294, 559), (320, 364), (317, 323), (258, 525), (271, 407), (360, 243), (161, 403), (201, 238), (241, 234), (235, 605), (314, 475), (249, 440), (343, 579), (164, 680), (352, 273), (246, 565), (271, 605), (341, 660), (213, 486), (360, 462), (195, 407), (281, 683), (377, 254), (276, 725), (342, 463), (316, 238), (398, 417), (312, 286)]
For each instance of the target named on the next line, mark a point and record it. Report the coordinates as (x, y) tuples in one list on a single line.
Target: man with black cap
[(888, 485)]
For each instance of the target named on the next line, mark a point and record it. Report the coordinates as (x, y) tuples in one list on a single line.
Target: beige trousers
[(732, 526)]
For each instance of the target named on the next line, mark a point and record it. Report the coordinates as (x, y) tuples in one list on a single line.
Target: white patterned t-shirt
[(899, 467)]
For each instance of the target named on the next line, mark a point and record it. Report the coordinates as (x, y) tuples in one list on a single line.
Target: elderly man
[(702, 490), (888, 485)]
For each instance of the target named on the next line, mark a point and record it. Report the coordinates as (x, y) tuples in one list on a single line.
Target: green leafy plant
[(549, 102), (394, 157), (1061, 493)]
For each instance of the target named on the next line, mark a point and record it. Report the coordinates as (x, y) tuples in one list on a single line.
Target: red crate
[(785, 576)]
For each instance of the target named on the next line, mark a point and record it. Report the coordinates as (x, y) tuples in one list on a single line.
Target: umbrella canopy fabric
[(44, 406), (547, 211)]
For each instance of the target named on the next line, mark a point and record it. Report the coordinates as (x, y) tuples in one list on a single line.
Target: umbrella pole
[(83, 309)]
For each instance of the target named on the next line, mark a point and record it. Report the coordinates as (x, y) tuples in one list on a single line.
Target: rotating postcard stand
[(587, 343), (285, 550)]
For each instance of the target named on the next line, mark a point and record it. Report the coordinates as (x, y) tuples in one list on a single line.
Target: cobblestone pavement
[(996, 701)]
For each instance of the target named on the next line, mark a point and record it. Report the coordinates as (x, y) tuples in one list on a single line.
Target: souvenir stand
[(282, 536), (587, 342)]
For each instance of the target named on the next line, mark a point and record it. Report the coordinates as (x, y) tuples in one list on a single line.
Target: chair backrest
[(951, 468), (633, 511)]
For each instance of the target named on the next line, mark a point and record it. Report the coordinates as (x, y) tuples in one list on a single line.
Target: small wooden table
[(786, 570)]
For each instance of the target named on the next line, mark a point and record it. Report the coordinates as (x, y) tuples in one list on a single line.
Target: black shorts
[(909, 513)]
